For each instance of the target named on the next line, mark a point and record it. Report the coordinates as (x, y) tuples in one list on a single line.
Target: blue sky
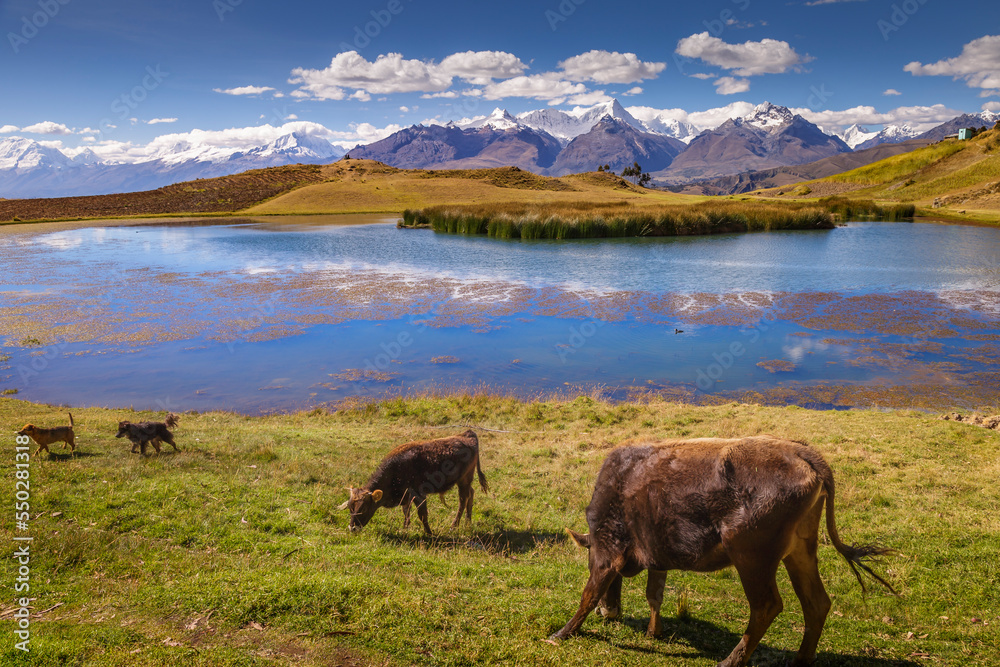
[(115, 75)]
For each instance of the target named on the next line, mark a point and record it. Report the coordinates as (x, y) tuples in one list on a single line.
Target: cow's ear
[(377, 495), (581, 540), (343, 505)]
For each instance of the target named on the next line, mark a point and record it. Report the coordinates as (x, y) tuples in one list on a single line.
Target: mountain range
[(30, 170), (546, 141)]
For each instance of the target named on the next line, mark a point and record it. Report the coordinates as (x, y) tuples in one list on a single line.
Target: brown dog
[(46, 436), (149, 433)]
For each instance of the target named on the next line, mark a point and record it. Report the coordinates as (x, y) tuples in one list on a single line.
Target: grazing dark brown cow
[(703, 505), (411, 472)]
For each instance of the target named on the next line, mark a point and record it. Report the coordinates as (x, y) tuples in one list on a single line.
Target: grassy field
[(232, 551), (951, 179), (360, 186)]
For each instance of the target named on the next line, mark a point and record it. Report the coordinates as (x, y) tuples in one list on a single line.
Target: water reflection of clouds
[(798, 348), (61, 240)]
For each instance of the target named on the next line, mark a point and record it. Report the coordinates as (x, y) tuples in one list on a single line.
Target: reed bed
[(585, 220)]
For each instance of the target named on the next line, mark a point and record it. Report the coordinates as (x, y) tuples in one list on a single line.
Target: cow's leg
[(803, 570), (610, 606), (468, 506), (464, 499), (757, 572), (421, 502), (405, 504), (654, 596), (600, 579)]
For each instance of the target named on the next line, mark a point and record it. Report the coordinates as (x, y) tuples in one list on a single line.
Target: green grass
[(583, 220), (896, 167), (232, 552)]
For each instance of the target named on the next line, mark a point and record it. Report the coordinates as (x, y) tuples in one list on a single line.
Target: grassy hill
[(347, 186), (232, 551), (949, 178)]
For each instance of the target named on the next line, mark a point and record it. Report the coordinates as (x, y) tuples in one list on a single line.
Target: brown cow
[(703, 505), (411, 472)]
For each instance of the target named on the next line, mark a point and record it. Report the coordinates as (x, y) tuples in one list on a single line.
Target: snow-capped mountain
[(28, 169), (769, 136), (500, 119), (982, 119), (890, 134), (617, 143), (21, 155), (568, 125), (767, 117), (659, 121), (857, 134)]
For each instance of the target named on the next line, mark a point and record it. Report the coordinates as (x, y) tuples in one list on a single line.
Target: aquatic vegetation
[(587, 220)]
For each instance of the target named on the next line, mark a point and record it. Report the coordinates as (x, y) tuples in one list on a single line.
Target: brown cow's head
[(362, 505)]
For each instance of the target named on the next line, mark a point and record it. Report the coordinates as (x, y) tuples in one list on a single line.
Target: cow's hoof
[(610, 613)]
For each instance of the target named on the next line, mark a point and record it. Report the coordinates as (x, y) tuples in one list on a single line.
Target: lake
[(269, 314)]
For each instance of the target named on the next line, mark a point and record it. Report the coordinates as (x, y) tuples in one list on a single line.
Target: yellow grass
[(362, 186)]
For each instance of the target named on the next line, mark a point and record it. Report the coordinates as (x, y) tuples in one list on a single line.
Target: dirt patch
[(209, 195), (990, 422)]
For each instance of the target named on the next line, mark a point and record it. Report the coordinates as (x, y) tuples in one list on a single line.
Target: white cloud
[(991, 106), (768, 56), (244, 90), (702, 120), (361, 133), (47, 127), (361, 95), (891, 91), (548, 86), (637, 90), (291, 116), (704, 76), (156, 121), (609, 67), (587, 99), (728, 85), (391, 73), (920, 118), (978, 65), (404, 109), (815, 3), (448, 94), (7, 129), (481, 67), (57, 144)]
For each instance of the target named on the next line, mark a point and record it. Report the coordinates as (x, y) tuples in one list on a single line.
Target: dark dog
[(46, 436), (149, 433)]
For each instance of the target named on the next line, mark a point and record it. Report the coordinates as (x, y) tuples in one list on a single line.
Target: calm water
[(277, 314)]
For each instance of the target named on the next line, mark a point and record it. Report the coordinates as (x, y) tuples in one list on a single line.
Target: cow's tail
[(70, 419), (854, 554), (482, 478)]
